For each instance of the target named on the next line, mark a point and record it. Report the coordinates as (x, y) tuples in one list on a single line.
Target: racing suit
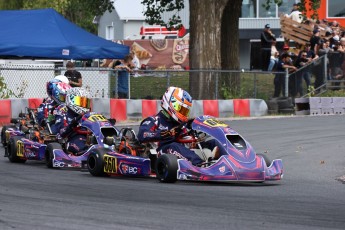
[(76, 143), (154, 129), (45, 111)]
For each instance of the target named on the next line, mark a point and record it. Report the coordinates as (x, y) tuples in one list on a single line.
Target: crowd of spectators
[(328, 38)]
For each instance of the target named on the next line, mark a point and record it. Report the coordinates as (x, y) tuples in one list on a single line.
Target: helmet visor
[(83, 102), (62, 97), (184, 111)]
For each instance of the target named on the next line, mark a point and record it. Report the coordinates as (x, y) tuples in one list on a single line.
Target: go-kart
[(20, 126), (52, 150), (238, 160)]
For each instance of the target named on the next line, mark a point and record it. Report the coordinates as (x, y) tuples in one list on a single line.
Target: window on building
[(109, 33), (336, 8), (254, 9)]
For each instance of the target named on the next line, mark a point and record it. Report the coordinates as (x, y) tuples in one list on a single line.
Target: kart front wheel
[(13, 150), (267, 160), (95, 162), (166, 168), (49, 153)]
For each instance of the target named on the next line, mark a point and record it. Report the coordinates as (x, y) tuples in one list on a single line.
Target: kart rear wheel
[(95, 163), (267, 160), (49, 154), (3, 135), (166, 168), (12, 150)]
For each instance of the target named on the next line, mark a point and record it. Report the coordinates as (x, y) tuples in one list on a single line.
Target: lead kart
[(98, 130), (237, 162)]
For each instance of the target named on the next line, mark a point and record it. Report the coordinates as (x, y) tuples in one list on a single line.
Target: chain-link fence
[(30, 82)]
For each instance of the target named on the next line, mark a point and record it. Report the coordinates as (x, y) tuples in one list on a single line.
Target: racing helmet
[(177, 103), (78, 100), (62, 78), (57, 89)]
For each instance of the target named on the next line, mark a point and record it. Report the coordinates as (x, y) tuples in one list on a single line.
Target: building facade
[(127, 19)]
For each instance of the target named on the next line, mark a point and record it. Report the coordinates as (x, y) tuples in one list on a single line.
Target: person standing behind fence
[(266, 44), (74, 76), (279, 79), (124, 69)]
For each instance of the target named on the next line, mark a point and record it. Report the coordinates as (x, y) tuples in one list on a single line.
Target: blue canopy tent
[(44, 33)]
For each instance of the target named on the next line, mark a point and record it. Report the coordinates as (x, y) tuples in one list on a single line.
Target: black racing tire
[(272, 104), (287, 111), (284, 103), (3, 136), (49, 154), (267, 160), (12, 150), (95, 163), (166, 168)]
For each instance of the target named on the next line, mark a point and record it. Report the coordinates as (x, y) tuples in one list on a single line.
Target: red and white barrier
[(124, 110)]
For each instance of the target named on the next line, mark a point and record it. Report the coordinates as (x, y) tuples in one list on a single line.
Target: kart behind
[(52, 151)]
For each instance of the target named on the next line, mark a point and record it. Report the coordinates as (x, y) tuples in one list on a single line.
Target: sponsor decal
[(110, 164), (222, 169), (98, 117), (146, 122), (65, 52), (127, 169), (58, 164), (214, 123)]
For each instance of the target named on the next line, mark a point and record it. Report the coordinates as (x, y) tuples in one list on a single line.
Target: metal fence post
[(168, 79), (325, 68), (286, 92), (216, 86), (255, 86)]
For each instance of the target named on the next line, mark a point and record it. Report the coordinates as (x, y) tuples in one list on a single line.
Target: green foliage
[(154, 9), (4, 91), (311, 91)]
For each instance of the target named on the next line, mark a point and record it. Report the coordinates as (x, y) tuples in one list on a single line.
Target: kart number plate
[(98, 117), (110, 164), (215, 123), (20, 149)]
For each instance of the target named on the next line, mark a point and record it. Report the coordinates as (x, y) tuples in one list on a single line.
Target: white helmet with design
[(78, 100), (62, 78), (177, 103)]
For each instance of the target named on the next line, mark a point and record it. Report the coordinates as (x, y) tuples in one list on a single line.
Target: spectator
[(124, 69), (295, 14), (279, 79), (315, 41), (266, 43), (274, 56), (135, 63), (301, 62), (74, 76)]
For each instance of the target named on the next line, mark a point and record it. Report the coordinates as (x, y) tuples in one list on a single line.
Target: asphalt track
[(309, 196)]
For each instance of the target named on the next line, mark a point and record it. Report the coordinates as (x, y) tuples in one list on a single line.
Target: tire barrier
[(281, 105), (123, 109)]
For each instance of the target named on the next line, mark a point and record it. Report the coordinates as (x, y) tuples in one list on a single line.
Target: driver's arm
[(149, 131)]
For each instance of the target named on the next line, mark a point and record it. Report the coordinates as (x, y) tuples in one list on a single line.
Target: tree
[(214, 39), (80, 12)]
